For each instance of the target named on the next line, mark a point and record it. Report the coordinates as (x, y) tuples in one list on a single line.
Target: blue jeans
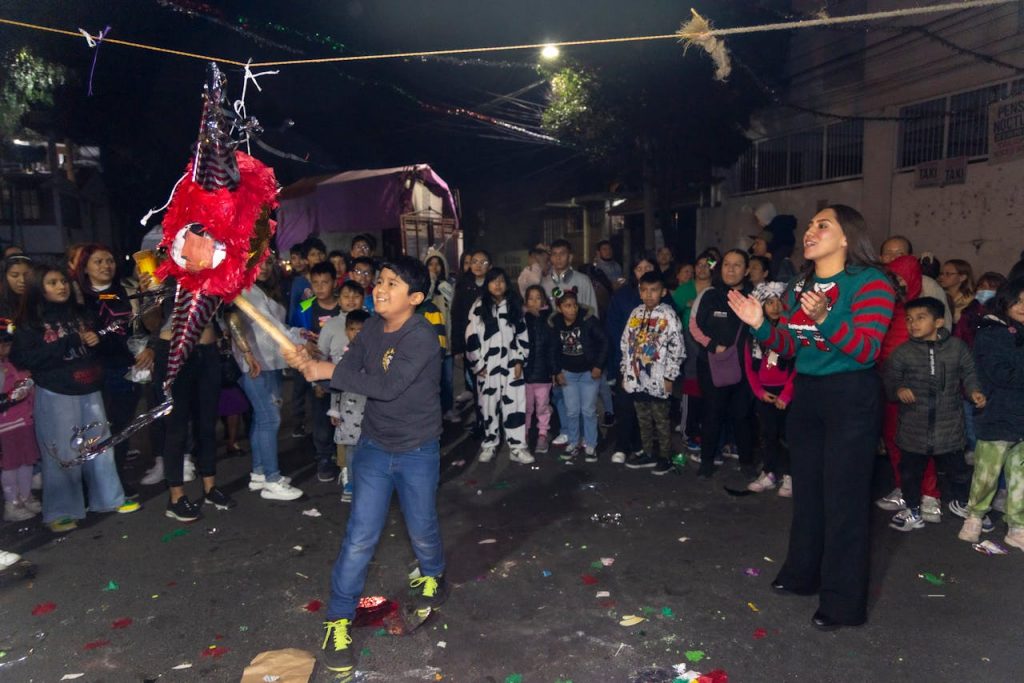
[(558, 401), (55, 416), (580, 396), (264, 394), (377, 472)]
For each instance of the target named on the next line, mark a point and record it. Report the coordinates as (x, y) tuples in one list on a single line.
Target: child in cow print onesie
[(496, 349)]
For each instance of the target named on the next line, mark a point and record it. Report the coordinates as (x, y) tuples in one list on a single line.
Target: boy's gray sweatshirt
[(400, 375)]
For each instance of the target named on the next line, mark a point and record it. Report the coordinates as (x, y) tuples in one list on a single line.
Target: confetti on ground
[(312, 512), (695, 655), (752, 571), (546, 573), (768, 559), (171, 535), (932, 578), (631, 620), (667, 612), (111, 586), (487, 541), (607, 561), (313, 606), (588, 580), (122, 623), (596, 564), (759, 633), (753, 607), (380, 633), (500, 485), (603, 594), (71, 677), (186, 665), (514, 678), (297, 548), (365, 652), (441, 644), (214, 651), (43, 608), (96, 644), (684, 539)]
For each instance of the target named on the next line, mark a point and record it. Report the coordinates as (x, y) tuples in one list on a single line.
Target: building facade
[(915, 121)]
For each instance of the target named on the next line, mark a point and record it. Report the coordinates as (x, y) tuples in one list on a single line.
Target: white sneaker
[(589, 454), (189, 471), (560, 440), (155, 474), (892, 502), (618, 457), (729, 451), (258, 481), (766, 482), (931, 509), (7, 559), (521, 456), (786, 488), (16, 512), (486, 455), (279, 490), (32, 505)]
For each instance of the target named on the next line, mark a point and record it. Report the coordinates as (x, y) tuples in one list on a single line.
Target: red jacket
[(907, 269)]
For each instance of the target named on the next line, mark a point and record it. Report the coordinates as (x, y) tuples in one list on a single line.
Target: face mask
[(984, 295)]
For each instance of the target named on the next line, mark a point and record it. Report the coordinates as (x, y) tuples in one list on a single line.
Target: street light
[(550, 52)]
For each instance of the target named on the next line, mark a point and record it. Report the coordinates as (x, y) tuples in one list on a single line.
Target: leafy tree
[(26, 81)]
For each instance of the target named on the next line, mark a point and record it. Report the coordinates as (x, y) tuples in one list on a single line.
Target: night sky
[(145, 107)]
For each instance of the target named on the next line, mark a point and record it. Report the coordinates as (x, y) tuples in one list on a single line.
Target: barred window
[(922, 130), (845, 149), (825, 153)]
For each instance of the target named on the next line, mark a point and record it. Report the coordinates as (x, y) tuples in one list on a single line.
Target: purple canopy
[(355, 201)]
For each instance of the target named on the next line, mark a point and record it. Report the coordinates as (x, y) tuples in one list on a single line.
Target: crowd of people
[(800, 376)]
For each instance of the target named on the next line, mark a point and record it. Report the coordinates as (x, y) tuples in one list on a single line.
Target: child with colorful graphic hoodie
[(652, 356), (771, 379)]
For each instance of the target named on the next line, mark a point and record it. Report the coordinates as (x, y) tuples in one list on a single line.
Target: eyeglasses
[(480, 262), (361, 247), (363, 273)]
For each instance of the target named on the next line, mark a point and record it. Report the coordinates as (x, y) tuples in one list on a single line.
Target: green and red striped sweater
[(861, 302)]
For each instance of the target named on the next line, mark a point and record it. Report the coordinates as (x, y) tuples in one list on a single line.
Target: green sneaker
[(430, 591), (335, 652)]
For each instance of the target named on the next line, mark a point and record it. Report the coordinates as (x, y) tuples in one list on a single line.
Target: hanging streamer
[(94, 45)]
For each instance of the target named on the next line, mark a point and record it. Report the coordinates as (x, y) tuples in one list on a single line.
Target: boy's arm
[(412, 355), (894, 374), (675, 349)]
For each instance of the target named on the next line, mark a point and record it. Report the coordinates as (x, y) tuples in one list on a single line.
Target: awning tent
[(370, 200)]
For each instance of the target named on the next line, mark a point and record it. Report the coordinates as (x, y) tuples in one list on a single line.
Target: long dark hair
[(81, 274), (859, 252), (488, 304), (34, 302), (631, 279), (1007, 295), (12, 300)]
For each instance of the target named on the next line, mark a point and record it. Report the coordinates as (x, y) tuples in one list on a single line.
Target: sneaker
[(346, 492), (521, 456), (589, 454), (32, 504), (429, 591), (679, 428), (609, 419), (257, 481), (189, 470), (931, 509), (129, 507), (695, 457), (336, 652), (663, 467), (971, 530), (786, 489), (299, 432), (183, 511), (907, 519), (766, 482), (693, 445), (15, 511), (218, 499), (560, 440), (641, 462), (155, 474), (279, 490), (568, 454), (8, 559), (960, 511), (892, 502), (1015, 537), (486, 454), (63, 525), (542, 444), (327, 472), (618, 457), (129, 492), (729, 451)]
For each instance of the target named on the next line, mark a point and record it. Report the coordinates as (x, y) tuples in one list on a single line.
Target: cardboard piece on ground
[(291, 665)]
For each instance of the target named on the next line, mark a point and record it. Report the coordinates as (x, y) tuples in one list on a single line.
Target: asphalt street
[(546, 562)]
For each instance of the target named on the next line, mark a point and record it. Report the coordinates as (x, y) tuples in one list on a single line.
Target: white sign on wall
[(1006, 130)]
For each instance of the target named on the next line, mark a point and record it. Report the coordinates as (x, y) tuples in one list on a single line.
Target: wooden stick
[(257, 316)]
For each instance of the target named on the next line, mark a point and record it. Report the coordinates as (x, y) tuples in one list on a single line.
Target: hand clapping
[(747, 308)]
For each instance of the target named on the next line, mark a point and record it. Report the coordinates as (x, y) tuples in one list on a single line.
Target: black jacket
[(112, 310), (55, 354), (999, 359), (585, 335), (542, 361), (466, 292), (717, 321)]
